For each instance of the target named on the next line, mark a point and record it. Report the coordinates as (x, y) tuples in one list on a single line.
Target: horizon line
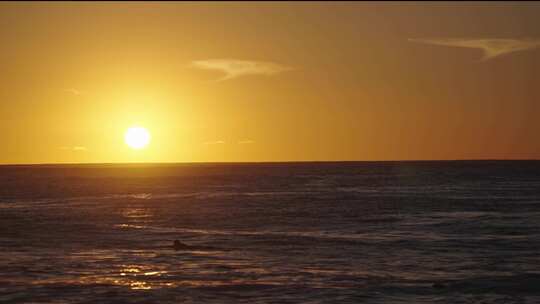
[(266, 162)]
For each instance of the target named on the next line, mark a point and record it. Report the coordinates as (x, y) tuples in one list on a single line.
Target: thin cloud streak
[(75, 148), (234, 68), (246, 142), (490, 47), (73, 91), (217, 142)]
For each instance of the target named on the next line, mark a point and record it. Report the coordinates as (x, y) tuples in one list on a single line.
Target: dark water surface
[(363, 232)]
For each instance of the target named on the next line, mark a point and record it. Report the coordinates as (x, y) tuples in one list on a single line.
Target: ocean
[(328, 232)]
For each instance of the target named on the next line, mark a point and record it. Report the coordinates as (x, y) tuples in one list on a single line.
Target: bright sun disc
[(137, 137)]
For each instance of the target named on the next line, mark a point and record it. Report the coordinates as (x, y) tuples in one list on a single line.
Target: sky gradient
[(269, 81)]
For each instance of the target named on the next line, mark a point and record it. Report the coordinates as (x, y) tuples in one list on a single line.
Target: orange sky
[(269, 81)]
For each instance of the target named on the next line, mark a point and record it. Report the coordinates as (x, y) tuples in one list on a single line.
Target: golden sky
[(269, 81)]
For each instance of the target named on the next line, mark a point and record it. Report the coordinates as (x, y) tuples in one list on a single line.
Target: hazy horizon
[(275, 162)]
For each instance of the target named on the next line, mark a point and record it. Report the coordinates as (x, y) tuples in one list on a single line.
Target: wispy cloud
[(234, 68), (491, 47), (246, 142), (75, 148), (216, 142), (73, 91)]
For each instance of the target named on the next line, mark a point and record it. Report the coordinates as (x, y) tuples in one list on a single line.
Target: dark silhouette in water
[(177, 245)]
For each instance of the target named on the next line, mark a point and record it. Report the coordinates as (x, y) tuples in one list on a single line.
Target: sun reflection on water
[(136, 217), (135, 277)]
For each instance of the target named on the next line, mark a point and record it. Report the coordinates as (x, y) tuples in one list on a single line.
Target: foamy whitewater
[(366, 232)]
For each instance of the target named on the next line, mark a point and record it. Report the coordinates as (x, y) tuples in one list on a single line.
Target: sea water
[(349, 232)]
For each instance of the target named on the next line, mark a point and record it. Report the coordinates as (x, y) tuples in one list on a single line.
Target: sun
[(137, 137)]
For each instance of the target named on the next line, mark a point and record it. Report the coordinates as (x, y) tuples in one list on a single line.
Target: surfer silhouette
[(177, 245)]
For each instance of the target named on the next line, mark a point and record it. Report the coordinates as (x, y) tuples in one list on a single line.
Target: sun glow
[(137, 137)]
